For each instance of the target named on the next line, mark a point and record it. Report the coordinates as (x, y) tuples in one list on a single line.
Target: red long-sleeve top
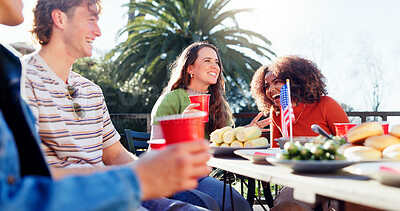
[(324, 113)]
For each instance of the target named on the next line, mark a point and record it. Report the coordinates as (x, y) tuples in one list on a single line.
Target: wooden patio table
[(348, 189)]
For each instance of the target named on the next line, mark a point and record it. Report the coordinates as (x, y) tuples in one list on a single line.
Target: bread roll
[(392, 152), (357, 134), (395, 131), (343, 147), (381, 142), (358, 153)]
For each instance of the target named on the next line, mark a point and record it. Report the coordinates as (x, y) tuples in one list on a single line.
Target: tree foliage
[(161, 29), (118, 99)]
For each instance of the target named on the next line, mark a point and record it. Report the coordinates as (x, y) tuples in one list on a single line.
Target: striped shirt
[(68, 141)]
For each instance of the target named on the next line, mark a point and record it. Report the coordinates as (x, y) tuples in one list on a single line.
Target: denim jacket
[(25, 181)]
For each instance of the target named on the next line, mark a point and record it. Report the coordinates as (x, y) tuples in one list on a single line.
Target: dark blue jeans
[(209, 191), (165, 204)]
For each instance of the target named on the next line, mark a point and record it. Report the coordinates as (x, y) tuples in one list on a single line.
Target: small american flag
[(287, 114)]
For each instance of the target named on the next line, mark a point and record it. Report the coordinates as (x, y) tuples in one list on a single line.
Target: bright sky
[(332, 34), (338, 35)]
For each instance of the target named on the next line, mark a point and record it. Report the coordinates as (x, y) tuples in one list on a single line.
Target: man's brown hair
[(43, 22)]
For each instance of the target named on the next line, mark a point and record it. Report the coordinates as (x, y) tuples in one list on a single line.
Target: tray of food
[(362, 143), (227, 139), (311, 166), (318, 155), (368, 143)]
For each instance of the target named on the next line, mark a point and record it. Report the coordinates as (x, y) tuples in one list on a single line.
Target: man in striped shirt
[(26, 183), (71, 115)]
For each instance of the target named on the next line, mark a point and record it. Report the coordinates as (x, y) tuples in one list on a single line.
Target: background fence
[(142, 122)]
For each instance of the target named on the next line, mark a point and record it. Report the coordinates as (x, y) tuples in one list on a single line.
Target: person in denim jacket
[(72, 118), (25, 181)]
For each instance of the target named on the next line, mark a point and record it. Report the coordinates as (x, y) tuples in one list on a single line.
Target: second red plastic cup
[(203, 100), (385, 126), (182, 128), (157, 144), (342, 128)]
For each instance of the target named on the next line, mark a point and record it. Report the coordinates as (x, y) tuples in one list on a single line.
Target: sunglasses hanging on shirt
[(79, 112)]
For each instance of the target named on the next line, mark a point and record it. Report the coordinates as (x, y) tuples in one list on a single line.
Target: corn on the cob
[(236, 144), (248, 133), (216, 136), (225, 145), (214, 145), (230, 136), (259, 142)]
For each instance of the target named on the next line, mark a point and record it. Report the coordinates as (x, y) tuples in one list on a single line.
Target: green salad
[(320, 148)]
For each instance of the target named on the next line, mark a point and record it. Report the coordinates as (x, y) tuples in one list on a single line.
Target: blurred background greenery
[(134, 73)]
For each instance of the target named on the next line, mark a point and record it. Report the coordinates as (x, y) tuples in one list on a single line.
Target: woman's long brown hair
[(220, 112)]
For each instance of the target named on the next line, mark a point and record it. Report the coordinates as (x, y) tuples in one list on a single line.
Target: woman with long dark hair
[(198, 70)]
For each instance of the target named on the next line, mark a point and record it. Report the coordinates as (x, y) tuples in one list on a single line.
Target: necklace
[(297, 119), (192, 91)]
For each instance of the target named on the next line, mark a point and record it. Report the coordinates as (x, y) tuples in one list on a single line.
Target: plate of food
[(227, 139), (257, 155), (311, 166), (317, 156)]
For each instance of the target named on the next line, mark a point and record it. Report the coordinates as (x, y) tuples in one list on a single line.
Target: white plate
[(372, 169), (156, 141), (312, 166), (359, 160), (257, 155), (228, 151), (390, 178)]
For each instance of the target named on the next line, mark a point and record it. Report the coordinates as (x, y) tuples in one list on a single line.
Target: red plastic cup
[(182, 128), (385, 126), (157, 144), (342, 128), (203, 100)]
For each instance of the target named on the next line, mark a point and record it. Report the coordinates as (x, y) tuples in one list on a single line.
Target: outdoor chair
[(136, 142), (228, 178)]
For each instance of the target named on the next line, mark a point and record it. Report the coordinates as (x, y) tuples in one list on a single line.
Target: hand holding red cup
[(203, 101), (182, 127)]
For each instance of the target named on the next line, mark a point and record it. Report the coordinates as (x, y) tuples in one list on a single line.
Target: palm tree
[(168, 26)]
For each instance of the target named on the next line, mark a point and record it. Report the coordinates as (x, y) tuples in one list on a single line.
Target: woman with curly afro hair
[(308, 94), (310, 105)]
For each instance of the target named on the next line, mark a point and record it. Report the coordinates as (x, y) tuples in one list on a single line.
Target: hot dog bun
[(392, 152), (395, 131), (358, 153), (357, 134), (381, 142), (344, 147)]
